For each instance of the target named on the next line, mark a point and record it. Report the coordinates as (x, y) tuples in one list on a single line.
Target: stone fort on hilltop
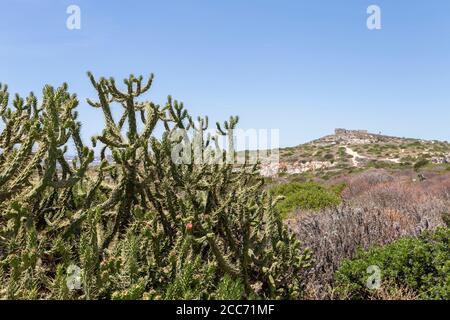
[(342, 132)]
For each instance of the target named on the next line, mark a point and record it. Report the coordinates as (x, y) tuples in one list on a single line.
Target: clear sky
[(303, 66)]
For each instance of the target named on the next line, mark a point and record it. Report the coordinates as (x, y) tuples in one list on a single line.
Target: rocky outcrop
[(441, 160), (273, 169)]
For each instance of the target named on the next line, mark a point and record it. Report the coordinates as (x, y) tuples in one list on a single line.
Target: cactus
[(127, 150), (30, 175), (142, 224), (38, 187)]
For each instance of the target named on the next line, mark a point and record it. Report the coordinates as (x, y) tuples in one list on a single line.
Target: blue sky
[(303, 66)]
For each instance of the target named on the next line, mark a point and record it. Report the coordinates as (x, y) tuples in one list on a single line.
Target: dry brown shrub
[(394, 292), (360, 183), (379, 210)]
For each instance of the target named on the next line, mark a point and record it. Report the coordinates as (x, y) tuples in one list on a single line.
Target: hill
[(348, 150)]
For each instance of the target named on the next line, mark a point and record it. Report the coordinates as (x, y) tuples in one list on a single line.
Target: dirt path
[(356, 155)]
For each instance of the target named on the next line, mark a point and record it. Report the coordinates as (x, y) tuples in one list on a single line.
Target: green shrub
[(309, 196), (420, 264), (420, 164), (338, 188), (379, 164), (446, 218)]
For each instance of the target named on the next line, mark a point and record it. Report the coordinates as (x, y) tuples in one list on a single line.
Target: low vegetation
[(305, 196), (420, 264), (379, 207)]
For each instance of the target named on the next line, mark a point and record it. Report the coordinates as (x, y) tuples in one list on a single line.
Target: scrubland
[(378, 208)]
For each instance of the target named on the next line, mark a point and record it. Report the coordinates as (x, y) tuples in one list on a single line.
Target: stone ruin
[(345, 132)]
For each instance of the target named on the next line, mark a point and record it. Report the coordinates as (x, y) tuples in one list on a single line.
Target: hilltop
[(348, 150)]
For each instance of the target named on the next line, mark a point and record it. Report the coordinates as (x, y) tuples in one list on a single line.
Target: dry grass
[(379, 208), (393, 292)]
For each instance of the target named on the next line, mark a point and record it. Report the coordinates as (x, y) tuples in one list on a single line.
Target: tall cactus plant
[(127, 149), (39, 188), (231, 219), (34, 143), (168, 215)]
